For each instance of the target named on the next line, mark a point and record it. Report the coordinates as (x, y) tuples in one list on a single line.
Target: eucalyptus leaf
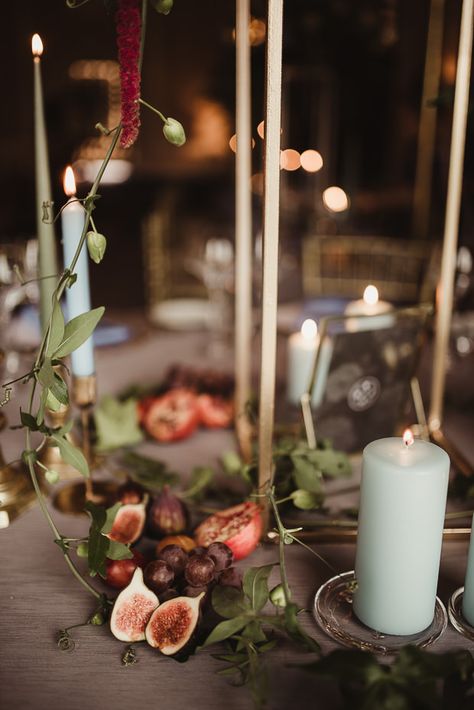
[(59, 389), (98, 544), (29, 421), (229, 602), (255, 585), (111, 514), (46, 373), (116, 423), (118, 551), (306, 475), (225, 630), (78, 330), (56, 332), (71, 454), (305, 500)]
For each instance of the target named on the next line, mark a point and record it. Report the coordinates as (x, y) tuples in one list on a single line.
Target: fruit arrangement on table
[(165, 592)]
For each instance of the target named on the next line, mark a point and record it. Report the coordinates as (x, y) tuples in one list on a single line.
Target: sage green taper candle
[(47, 262), (468, 595)]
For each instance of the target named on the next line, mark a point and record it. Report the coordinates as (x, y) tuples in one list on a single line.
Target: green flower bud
[(97, 619), (96, 244), (174, 132), (277, 596), (51, 476), (163, 6), (82, 549)]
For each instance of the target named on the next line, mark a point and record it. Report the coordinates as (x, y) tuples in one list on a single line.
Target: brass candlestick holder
[(16, 489), (72, 498)]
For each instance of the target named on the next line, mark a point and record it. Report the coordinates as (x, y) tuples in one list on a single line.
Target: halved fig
[(132, 610), (129, 522), (171, 625), (239, 527)]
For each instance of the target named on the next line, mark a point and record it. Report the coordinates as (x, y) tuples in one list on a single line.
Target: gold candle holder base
[(17, 494), (72, 498)]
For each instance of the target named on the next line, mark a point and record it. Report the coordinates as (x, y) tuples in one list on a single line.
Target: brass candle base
[(72, 498), (17, 494)]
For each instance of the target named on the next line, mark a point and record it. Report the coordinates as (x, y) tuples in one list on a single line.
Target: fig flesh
[(129, 523), (172, 624), (132, 610)]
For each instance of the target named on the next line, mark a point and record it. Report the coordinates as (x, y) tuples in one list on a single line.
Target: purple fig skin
[(167, 595), (167, 515)]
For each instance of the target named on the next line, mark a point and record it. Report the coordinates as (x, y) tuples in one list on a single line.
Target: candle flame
[(371, 295), (408, 437), (69, 182), (36, 45), (309, 329)]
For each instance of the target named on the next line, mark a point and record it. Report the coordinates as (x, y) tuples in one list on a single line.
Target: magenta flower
[(128, 21)]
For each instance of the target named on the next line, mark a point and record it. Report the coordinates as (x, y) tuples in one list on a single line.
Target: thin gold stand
[(72, 498), (50, 455), (16, 489)]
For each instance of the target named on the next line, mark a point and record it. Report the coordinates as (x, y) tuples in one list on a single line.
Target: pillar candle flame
[(69, 182), (371, 295), (408, 437), (36, 45)]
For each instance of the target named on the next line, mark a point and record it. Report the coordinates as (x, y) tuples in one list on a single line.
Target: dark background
[(352, 81)]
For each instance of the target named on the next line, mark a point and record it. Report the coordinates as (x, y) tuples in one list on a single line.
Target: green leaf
[(59, 389), (51, 402), (56, 333), (231, 462), (110, 517), (28, 421), (98, 543), (42, 407), (72, 455), (253, 632), (305, 500), (305, 475), (150, 473), (295, 632), (116, 424), (118, 551), (255, 585), (46, 374), (225, 630), (332, 463), (66, 428), (78, 330), (228, 601), (200, 479)]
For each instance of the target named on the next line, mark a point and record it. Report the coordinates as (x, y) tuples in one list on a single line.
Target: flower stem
[(152, 108), (281, 548)]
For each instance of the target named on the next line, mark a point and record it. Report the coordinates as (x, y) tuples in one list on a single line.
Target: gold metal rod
[(458, 461), (349, 536), (428, 120), (451, 226), (243, 230), (271, 202)]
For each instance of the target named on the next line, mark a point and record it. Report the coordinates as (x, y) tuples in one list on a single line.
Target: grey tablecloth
[(39, 596)]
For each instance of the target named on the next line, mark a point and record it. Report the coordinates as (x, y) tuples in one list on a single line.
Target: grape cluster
[(176, 572)]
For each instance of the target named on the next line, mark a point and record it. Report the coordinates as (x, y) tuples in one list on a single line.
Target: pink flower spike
[(128, 22)]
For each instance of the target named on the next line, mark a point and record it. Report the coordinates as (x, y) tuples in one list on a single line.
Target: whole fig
[(168, 515)]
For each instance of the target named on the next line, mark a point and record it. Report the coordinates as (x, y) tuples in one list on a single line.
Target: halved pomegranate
[(215, 412), (239, 527), (173, 416)]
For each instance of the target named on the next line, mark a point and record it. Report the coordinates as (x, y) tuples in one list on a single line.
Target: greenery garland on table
[(416, 679)]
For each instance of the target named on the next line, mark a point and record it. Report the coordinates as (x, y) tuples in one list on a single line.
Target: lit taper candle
[(78, 298), (468, 595), (400, 532), (47, 261)]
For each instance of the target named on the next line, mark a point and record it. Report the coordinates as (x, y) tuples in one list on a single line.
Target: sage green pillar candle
[(400, 532), (468, 596), (47, 259)]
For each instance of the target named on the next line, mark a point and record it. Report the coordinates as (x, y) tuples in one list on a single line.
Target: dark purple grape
[(194, 591), (158, 576), (176, 557), (199, 571), (197, 551), (221, 555), (167, 595), (230, 577)]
